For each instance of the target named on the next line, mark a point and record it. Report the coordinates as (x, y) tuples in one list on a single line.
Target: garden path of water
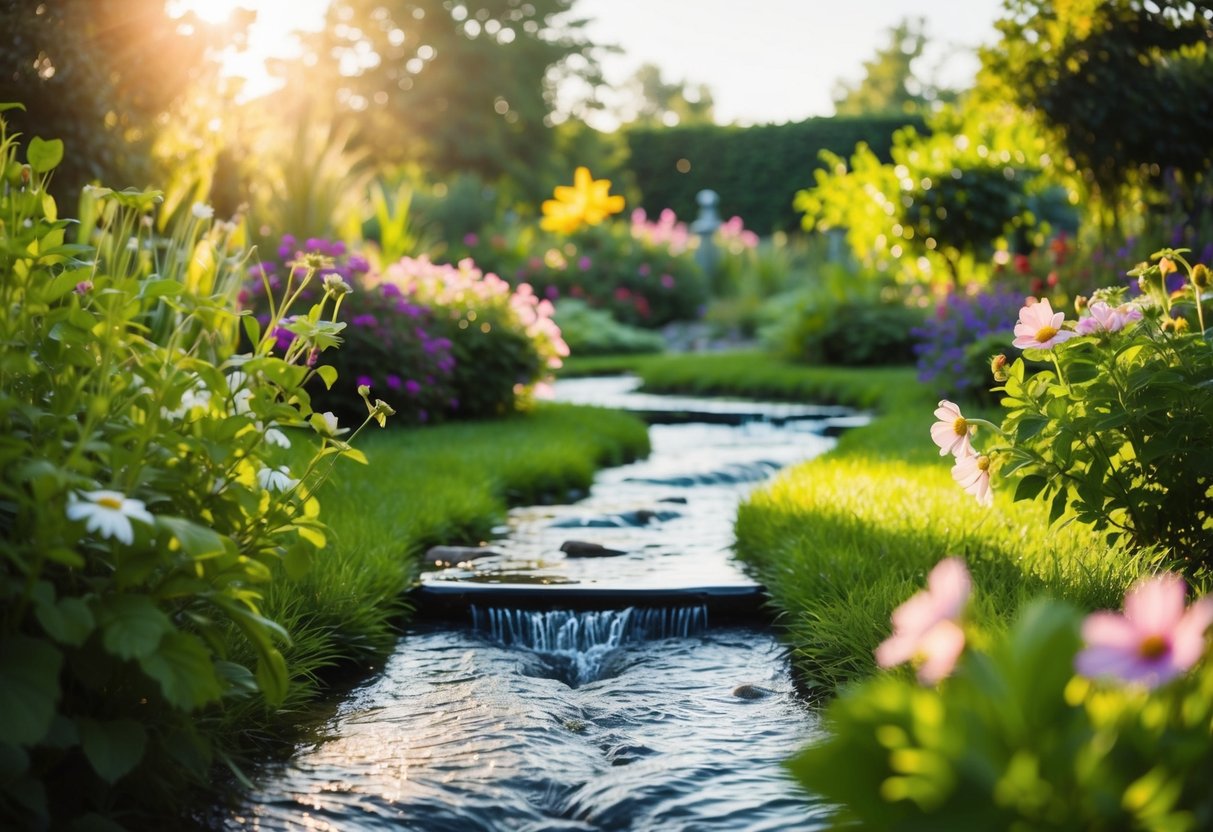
[(620, 719)]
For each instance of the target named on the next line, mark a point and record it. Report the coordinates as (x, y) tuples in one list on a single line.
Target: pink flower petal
[(1188, 638), (941, 648), (950, 585), (1156, 605), (1110, 629)]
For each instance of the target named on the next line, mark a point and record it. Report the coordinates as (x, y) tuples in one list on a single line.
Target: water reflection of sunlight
[(271, 36)]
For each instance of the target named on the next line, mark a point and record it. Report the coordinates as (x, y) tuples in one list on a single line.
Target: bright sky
[(764, 60), (778, 60)]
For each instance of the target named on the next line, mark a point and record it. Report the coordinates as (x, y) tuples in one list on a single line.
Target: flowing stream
[(629, 717)]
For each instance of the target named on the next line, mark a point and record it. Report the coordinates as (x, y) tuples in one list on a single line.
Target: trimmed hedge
[(755, 170)]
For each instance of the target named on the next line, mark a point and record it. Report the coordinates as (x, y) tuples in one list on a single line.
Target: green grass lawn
[(843, 539)]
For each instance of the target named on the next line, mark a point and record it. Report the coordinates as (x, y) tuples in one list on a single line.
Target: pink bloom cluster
[(926, 631), (1155, 640), (971, 470), (734, 236), (666, 232), (465, 288), (1104, 318)]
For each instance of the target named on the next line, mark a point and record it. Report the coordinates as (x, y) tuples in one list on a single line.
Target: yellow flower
[(586, 202)]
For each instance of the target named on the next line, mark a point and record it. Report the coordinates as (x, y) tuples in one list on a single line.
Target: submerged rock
[(582, 549), (625, 519), (748, 691)]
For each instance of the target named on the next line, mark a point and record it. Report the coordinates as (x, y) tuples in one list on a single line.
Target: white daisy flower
[(109, 513), (197, 397), (274, 436), (240, 393), (330, 424), (202, 211), (276, 479)]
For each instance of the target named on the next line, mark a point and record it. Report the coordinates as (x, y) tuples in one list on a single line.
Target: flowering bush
[(852, 332), (948, 356), (146, 495), (394, 345), (1062, 723), (503, 339), (1116, 429)]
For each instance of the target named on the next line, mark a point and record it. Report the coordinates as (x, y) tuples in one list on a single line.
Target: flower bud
[(998, 366), (364, 390), (1166, 266), (335, 285), (1200, 276), (1080, 303)]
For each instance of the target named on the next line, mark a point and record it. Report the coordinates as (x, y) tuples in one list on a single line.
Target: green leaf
[(70, 621), (113, 748), (1058, 507), (133, 626), (44, 155), (272, 677), (199, 542), (1030, 486), (165, 287), (328, 374), (184, 669), (252, 328), (29, 688), (11, 105), (64, 282)]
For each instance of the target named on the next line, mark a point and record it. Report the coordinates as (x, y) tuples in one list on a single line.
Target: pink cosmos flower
[(951, 432), (1103, 318), (1040, 327), (1155, 639), (972, 473), (925, 631)]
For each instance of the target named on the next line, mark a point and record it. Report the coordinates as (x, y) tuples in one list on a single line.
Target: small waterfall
[(577, 645)]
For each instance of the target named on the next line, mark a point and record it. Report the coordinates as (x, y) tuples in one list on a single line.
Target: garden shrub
[(394, 344), (954, 343), (851, 332), (590, 331), (146, 497), (1114, 430), (503, 339)]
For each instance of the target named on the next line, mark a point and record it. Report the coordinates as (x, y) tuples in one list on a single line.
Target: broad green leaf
[(184, 669), (29, 688), (199, 542), (165, 287), (68, 621), (312, 535), (11, 105), (1030, 486), (65, 282), (272, 676), (252, 328), (132, 625), (112, 748), (328, 374), (44, 155)]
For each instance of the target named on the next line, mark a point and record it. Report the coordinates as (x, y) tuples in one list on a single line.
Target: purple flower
[(470, 239), (393, 381), (585, 263), (364, 320), (365, 381), (412, 387)]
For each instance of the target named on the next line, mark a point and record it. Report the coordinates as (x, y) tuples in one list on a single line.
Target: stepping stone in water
[(582, 549)]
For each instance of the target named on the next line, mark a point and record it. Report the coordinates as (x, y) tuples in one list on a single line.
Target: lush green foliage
[(590, 331), (938, 208), (146, 500), (1116, 429), (850, 333), (1116, 81), (755, 170), (1016, 741)]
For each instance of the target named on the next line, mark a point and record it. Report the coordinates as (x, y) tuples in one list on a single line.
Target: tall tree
[(889, 85), (654, 102), (97, 74), (1123, 84), (465, 85)]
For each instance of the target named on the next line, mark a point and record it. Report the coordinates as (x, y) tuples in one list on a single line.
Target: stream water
[(628, 718)]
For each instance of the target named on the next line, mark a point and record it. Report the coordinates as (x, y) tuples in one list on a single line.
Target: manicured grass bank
[(444, 484), (842, 540)]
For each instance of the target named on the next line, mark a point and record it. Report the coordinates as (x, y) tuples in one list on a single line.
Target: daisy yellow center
[(110, 502), (960, 426), (1152, 647), (1045, 333), (983, 463)]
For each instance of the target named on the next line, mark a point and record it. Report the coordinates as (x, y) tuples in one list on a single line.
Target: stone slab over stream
[(544, 690)]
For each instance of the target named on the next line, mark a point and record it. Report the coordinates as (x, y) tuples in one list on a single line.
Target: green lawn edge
[(841, 540)]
